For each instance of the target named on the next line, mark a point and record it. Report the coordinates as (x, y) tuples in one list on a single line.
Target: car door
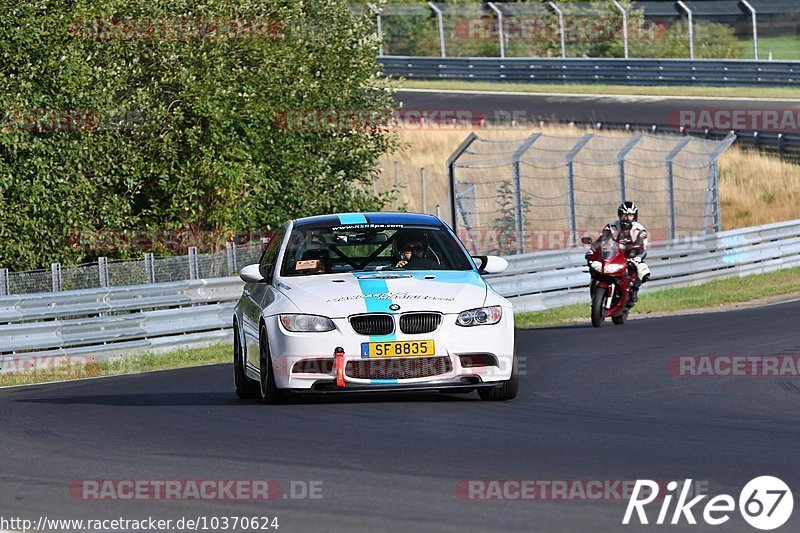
[(260, 295)]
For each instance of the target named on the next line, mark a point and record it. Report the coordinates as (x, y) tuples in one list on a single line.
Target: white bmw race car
[(371, 302)]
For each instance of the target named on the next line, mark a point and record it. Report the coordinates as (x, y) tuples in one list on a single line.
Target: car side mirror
[(490, 264), (586, 240), (251, 274)]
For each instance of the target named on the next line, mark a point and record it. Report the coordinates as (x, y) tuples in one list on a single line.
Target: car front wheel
[(246, 388), (270, 393), (506, 390)]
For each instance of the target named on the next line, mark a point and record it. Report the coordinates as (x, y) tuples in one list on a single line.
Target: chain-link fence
[(758, 29), (112, 273), (547, 192)]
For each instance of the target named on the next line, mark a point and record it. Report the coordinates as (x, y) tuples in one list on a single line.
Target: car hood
[(341, 295)]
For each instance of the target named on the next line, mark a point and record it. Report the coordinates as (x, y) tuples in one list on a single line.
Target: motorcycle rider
[(627, 230)]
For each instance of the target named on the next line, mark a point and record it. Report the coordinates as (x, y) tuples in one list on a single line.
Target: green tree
[(187, 131), (505, 223)]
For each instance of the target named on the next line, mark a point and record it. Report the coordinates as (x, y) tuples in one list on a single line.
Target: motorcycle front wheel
[(599, 306)]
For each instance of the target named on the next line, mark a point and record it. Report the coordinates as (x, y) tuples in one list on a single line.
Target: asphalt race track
[(595, 404), (625, 109)]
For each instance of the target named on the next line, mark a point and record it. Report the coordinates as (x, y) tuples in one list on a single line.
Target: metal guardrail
[(105, 323), (734, 72), (784, 145), (543, 280)]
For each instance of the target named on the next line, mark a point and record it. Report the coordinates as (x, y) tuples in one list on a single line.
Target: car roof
[(344, 219)]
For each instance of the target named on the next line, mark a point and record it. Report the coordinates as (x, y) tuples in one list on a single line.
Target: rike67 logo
[(765, 503)]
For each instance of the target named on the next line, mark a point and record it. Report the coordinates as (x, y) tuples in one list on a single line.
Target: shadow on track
[(222, 399)]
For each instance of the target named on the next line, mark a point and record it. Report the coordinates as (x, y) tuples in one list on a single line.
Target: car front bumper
[(306, 361)]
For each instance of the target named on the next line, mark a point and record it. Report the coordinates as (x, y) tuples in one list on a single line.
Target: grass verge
[(791, 93), (134, 363), (781, 47), (707, 295)]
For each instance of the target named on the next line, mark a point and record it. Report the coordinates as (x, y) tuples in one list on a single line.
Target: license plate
[(396, 349)]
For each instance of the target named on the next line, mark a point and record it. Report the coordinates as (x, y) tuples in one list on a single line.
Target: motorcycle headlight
[(480, 317), (307, 323), (611, 268), (597, 265)]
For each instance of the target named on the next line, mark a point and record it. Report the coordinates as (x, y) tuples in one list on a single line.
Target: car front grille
[(420, 322), (398, 368), (372, 324)]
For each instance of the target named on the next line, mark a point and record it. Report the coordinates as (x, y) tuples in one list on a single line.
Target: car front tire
[(506, 390), (246, 388), (270, 393)]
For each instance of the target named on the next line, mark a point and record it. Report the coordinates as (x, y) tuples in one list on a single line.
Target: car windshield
[(371, 247)]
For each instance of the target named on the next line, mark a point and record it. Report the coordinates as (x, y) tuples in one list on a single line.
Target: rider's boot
[(634, 293)]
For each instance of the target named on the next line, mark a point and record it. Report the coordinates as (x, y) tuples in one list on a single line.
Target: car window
[(267, 263), (370, 247)]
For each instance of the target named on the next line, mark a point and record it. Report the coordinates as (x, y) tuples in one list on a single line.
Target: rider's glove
[(636, 260)]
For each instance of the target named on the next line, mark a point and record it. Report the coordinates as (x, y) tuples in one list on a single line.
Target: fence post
[(624, 26), (560, 28), (671, 185), (397, 174), (714, 179), (5, 285), (691, 28), (573, 229), (441, 27), (499, 27), (451, 176), (755, 28), (231, 253), (193, 266), (519, 212), (378, 27), (55, 271), (150, 267), (424, 191), (621, 162), (102, 267)]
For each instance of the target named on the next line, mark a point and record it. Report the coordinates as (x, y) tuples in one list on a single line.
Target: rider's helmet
[(627, 208)]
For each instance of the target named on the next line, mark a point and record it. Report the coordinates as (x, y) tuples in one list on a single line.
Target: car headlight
[(597, 265), (307, 323), (480, 317), (614, 267)]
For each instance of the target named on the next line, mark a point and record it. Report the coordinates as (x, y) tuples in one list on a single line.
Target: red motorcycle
[(613, 276)]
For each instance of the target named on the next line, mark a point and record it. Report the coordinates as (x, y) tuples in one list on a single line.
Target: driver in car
[(412, 253)]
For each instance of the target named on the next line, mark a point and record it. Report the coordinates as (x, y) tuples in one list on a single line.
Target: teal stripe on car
[(352, 218), (373, 289), (382, 381)]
